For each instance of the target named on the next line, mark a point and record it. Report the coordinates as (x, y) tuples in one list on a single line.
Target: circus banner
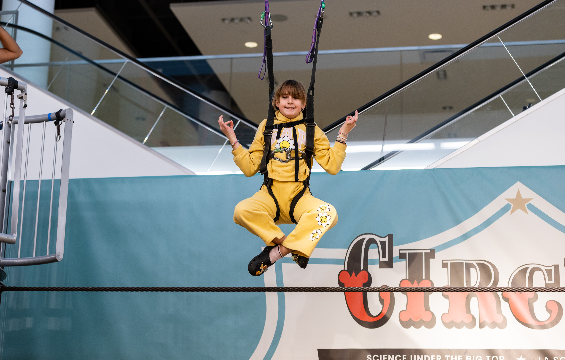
[(516, 240), (464, 228)]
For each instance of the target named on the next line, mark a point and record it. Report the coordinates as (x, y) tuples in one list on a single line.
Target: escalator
[(463, 96), (452, 102), (133, 98)]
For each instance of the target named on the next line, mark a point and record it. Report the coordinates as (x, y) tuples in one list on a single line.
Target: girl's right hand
[(227, 129)]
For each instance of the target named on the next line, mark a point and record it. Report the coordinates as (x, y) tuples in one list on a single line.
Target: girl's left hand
[(349, 123)]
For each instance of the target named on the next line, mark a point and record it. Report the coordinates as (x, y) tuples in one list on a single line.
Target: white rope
[(2, 161), (24, 191), (507, 105), (153, 127), (57, 74), (13, 16), (528, 80), (39, 187), (108, 89), (222, 148), (12, 139), (52, 188)]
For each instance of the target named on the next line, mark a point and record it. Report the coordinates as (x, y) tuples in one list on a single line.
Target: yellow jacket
[(329, 158)]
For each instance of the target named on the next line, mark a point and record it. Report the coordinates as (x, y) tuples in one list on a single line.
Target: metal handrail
[(469, 109), (163, 77), (294, 53), (453, 57), (135, 86)]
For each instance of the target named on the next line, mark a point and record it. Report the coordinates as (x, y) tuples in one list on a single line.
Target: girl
[(273, 203)]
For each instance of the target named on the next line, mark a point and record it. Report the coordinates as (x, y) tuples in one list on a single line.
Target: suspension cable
[(282, 289)]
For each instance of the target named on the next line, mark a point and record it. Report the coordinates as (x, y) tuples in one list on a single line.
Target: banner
[(420, 228)]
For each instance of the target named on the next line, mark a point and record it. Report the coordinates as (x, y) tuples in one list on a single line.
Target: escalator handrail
[(453, 57), (145, 67), (469, 109), (135, 86)]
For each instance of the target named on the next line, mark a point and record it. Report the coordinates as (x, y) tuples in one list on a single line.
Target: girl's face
[(290, 106)]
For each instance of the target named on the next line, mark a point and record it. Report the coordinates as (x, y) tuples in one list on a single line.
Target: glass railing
[(133, 98), (356, 75), (448, 95), (463, 96)]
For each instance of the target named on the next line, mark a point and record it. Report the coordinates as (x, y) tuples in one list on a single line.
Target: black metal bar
[(442, 63), (283, 289)]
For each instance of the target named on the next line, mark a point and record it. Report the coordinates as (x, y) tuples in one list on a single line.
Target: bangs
[(292, 91)]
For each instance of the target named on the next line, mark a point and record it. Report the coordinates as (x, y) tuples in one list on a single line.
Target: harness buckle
[(269, 20)]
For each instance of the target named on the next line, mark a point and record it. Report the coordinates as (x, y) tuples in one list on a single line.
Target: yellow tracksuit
[(314, 216)]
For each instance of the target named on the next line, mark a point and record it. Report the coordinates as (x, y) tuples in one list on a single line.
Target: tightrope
[(281, 289)]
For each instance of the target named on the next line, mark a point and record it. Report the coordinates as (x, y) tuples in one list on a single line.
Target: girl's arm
[(11, 50), (248, 161)]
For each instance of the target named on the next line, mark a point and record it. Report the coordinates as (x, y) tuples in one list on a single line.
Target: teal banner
[(468, 228)]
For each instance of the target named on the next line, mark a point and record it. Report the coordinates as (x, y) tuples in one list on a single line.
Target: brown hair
[(289, 87)]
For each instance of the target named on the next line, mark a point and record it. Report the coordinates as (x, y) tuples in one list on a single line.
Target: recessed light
[(368, 13), (237, 20), (435, 36), (279, 17), (251, 44)]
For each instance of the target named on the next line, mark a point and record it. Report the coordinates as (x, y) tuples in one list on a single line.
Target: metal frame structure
[(13, 157)]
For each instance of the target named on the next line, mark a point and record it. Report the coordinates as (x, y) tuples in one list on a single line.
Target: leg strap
[(297, 197), (268, 183)]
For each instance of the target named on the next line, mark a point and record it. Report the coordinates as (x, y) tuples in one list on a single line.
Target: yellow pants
[(314, 216)]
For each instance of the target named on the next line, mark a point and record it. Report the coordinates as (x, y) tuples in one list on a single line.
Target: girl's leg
[(315, 217), (256, 215)]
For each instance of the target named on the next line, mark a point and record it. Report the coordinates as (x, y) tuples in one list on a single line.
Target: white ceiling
[(345, 82), (400, 23)]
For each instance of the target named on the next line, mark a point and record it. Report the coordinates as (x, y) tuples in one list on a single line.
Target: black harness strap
[(310, 125), (288, 124), (268, 131), (309, 119), (296, 157)]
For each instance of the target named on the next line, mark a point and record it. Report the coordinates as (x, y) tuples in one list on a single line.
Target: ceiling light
[(453, 145), (368, 13), (435, 36), (237, 20), (499, 7), (364, 148), (409, 147), (279, 17), (251, 44)]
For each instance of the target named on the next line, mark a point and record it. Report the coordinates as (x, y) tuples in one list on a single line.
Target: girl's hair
[(289, 87)]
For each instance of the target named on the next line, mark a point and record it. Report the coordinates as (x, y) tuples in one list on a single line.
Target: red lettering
[(417, 311), (357, 301), (521, 305), (459, 313)]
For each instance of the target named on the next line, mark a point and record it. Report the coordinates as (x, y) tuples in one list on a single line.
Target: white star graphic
[(521, 358)]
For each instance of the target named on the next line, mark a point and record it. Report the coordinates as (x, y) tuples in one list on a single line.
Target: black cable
[(4, 288)]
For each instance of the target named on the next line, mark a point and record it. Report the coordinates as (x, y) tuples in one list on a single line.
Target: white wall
[(531, 138), (98, 150)]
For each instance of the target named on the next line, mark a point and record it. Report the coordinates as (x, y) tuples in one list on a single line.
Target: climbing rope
[(281, 289), (311, 55), (267, 24)]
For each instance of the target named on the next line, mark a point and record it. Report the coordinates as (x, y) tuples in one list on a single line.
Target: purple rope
[(263, 65), (310, 56)]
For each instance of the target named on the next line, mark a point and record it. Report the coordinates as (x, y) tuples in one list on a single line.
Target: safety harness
[(308, 119)]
